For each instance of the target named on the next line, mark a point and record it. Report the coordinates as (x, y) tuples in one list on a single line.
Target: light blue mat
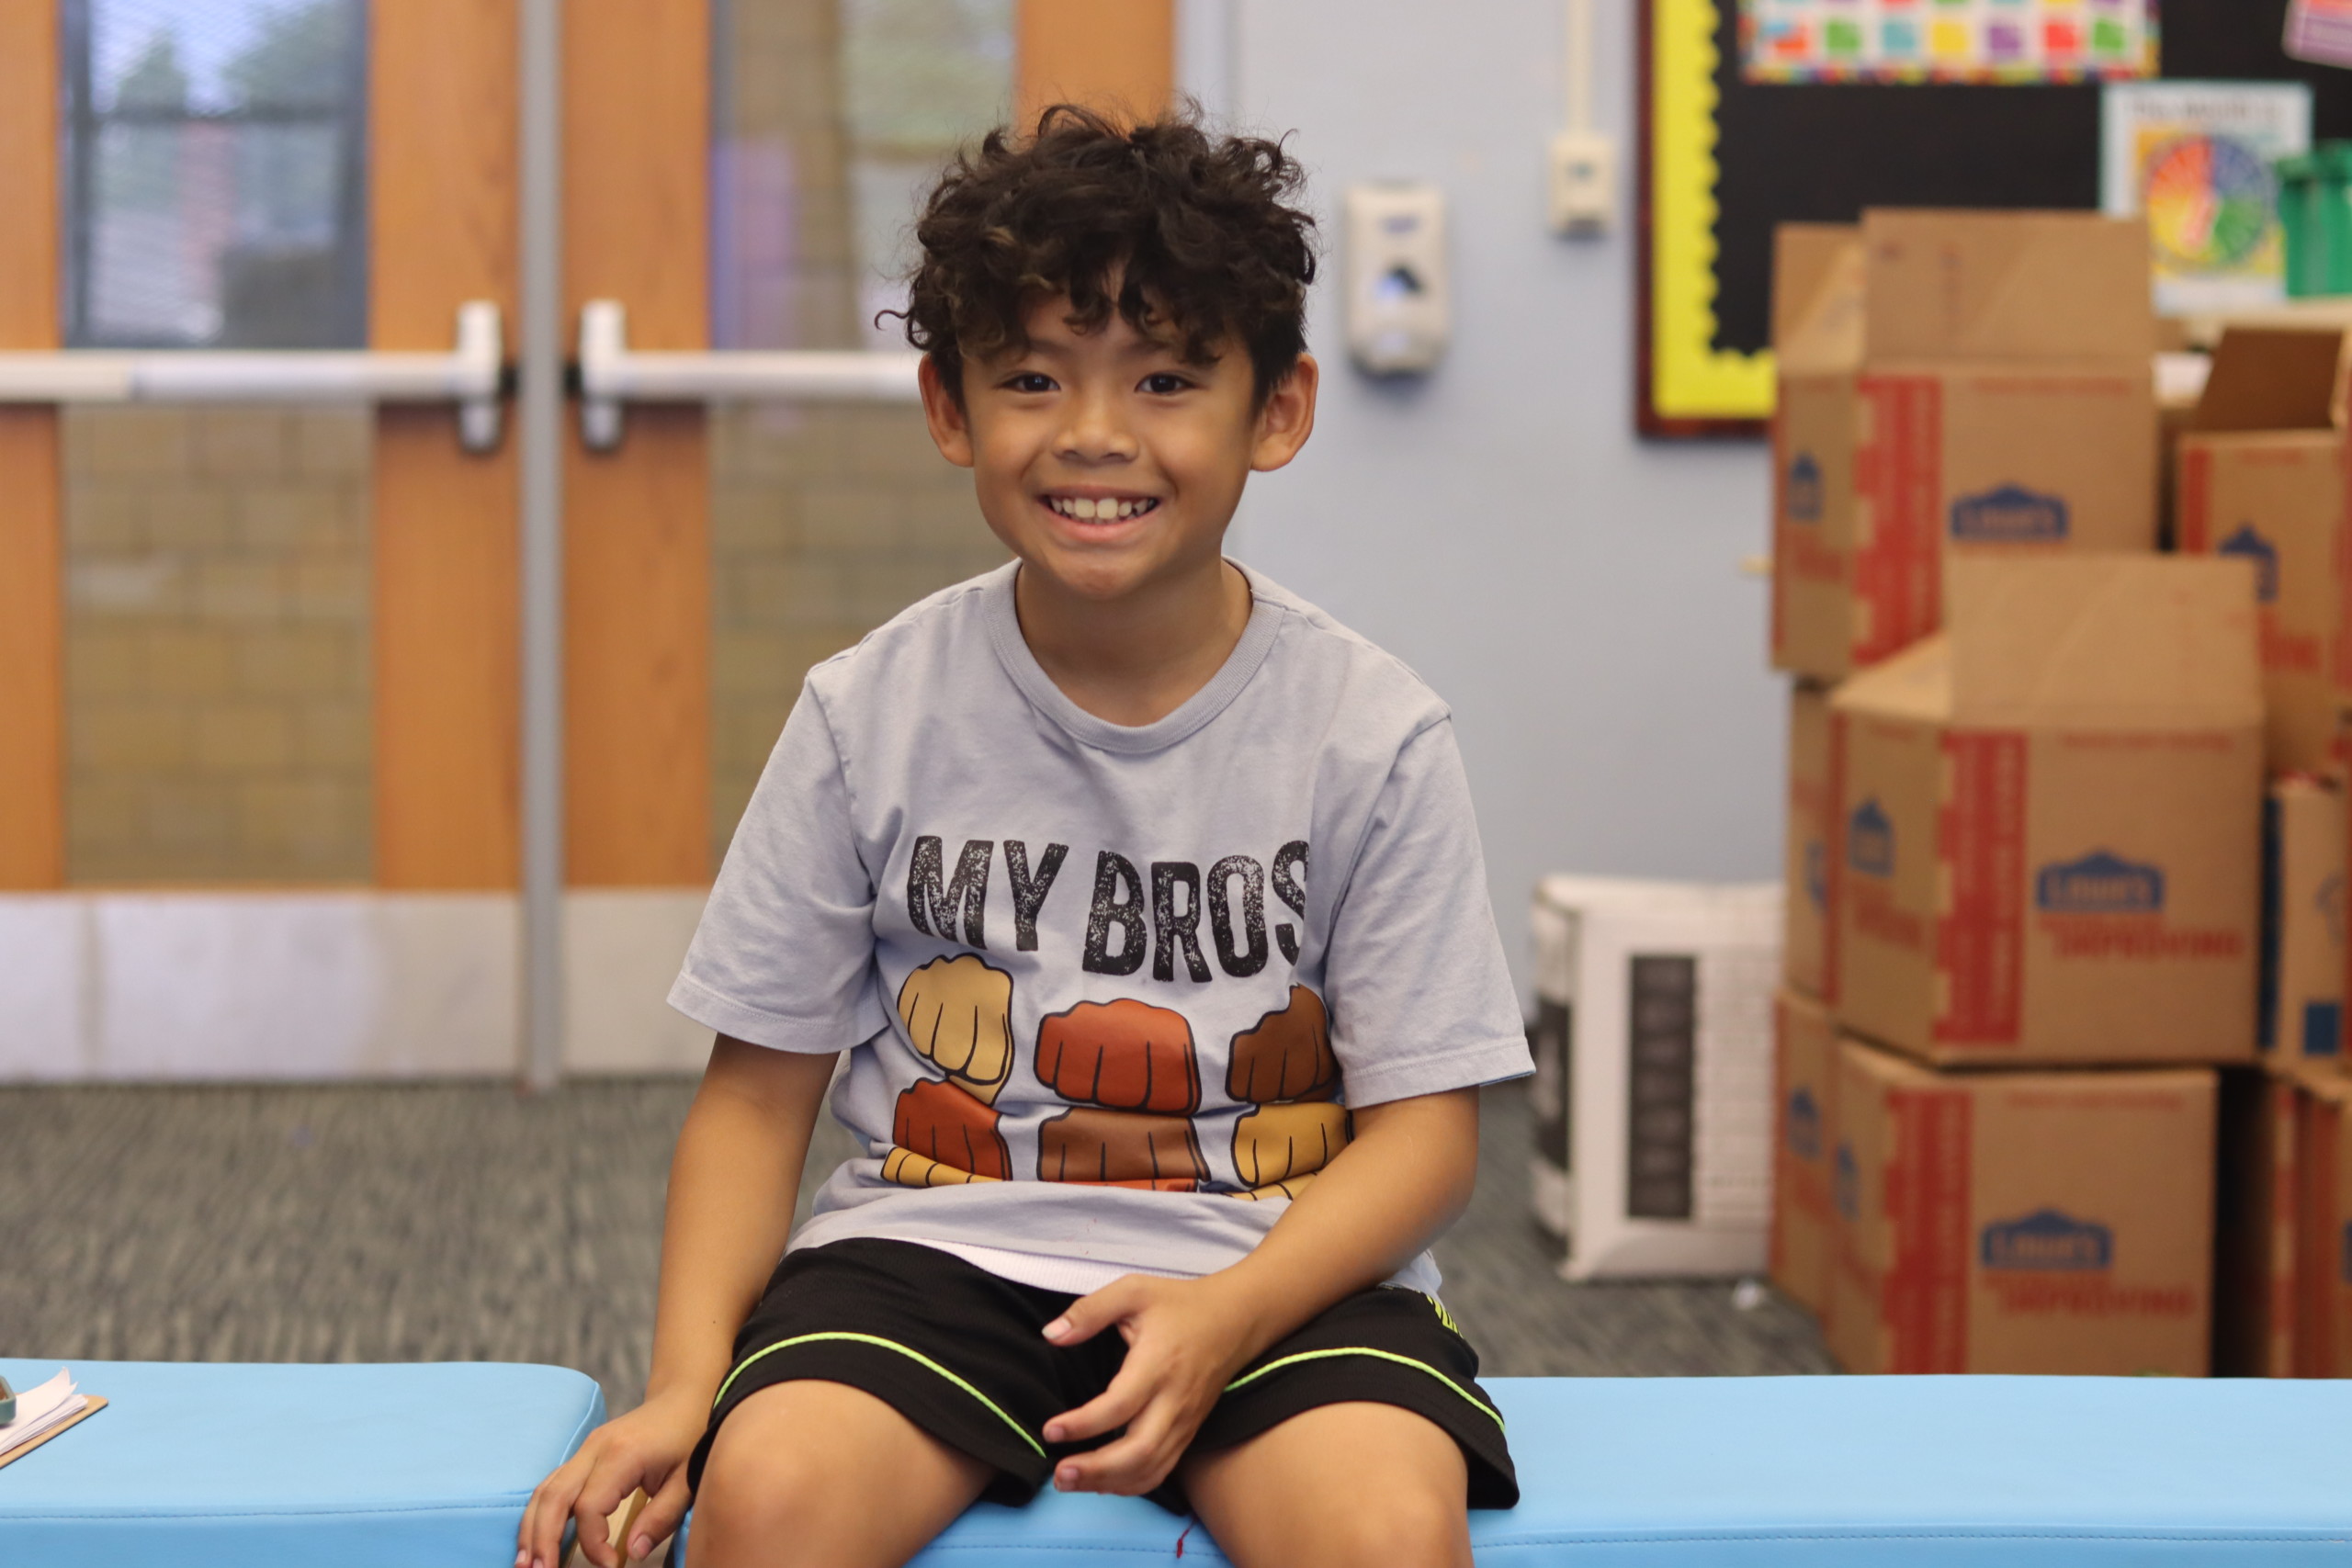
[(194, 1465), (428, 1466)]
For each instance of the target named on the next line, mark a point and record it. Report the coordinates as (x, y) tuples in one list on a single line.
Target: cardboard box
[(2262, 477), (2301, 1013), (2322, 1261), (2254, 1256), (1998, 396), (1654, 1073), (1805, 848), (1805, 1088), (1817, 351), (2053, 1223), (2047, 820)]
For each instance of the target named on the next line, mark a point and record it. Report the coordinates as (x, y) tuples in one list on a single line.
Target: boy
[(1157, 1120)]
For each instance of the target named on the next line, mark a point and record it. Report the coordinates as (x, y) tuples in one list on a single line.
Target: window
[(214, 174), (830, 116)]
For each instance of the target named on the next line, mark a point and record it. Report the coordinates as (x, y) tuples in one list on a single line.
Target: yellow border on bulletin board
[(1689, 378)]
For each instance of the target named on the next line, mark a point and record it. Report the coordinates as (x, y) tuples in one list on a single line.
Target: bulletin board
[(1726, 156)]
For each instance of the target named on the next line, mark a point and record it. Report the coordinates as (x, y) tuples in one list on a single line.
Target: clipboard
[(10, 1456)]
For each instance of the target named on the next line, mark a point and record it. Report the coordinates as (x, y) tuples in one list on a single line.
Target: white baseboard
[(622, 947), (209, 985)]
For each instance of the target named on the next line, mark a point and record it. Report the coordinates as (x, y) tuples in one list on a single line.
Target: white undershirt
[(1072, 1276)]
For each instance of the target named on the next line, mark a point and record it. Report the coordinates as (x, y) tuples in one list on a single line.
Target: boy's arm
[(732, 1185), (1404, 1178)]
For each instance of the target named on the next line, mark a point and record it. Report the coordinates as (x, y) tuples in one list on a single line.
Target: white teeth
[(1106, 510)]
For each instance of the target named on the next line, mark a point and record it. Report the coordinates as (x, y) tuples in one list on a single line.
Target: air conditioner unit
[(1653, 1090)]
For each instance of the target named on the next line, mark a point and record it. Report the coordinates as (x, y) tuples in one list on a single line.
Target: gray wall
[(1574, 592)]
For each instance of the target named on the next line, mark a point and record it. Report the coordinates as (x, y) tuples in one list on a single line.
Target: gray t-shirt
[(1111, 988)]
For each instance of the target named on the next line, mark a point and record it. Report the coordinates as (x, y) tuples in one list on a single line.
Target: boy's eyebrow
[(1142, 346)]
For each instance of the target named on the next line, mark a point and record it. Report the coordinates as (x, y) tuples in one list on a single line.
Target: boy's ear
[(942, 410), (1286, 418)]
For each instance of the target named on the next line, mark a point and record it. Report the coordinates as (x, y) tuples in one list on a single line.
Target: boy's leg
[(822, 1475), (1340, 1485)]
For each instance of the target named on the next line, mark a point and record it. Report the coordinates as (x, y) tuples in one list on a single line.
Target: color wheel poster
[(1989, 41), (2195, 157)]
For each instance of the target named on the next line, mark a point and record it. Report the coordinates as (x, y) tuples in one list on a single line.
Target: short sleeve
[(784, 956), (1421, 999)]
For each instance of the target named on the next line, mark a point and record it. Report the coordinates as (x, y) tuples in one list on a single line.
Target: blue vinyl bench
[(428, 1466)]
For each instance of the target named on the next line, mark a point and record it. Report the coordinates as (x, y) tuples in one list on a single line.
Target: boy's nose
[(1095, 434)]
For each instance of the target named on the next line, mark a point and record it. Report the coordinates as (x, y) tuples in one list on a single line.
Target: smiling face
[(1105, 459)]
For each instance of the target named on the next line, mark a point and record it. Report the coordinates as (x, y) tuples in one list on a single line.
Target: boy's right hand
[(647, 1448)]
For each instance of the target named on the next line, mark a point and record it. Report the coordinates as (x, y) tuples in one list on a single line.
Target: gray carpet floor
[(451, 1222)]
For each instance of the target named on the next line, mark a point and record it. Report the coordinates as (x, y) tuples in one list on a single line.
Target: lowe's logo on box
[(1846, 1184), (2248, 545), (2009, 515), (1805, 489), (2100, 883), (1870, 840), (2047, 1239), (1805, 1125)]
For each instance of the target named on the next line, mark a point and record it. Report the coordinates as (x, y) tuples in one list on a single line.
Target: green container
[(2315, 213), (2299, 222), (2335, 197)]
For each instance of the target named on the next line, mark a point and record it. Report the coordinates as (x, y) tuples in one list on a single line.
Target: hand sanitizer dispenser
[(1398, 310)]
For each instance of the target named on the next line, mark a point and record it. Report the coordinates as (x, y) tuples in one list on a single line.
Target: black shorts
[(961, 1354)]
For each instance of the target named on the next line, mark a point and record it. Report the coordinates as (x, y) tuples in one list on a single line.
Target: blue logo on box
[(1846, 1184), (1870, 840), (2049, 1240), (2248, 545), (2322, 1027), (1805, 1125), (2009, 515), (1805, 489), (2100, 883)]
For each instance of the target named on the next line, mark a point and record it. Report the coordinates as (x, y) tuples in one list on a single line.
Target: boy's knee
[(758, 1481), (1411, 1525)]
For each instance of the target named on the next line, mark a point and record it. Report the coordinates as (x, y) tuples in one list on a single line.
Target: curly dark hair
[(1196, 230)]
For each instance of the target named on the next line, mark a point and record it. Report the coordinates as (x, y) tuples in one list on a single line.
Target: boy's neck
[(1136, 658)]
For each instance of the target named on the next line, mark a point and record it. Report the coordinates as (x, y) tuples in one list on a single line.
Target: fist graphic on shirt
[(1127, 1055), (1131, 1067), (1278, 1143), (1286, 1065), (1122, 1149), (958, 1014), (1286, 1056), (942, 1125)]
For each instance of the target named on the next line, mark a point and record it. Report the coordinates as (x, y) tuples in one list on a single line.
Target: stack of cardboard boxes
[(2027, 914), (2260, 476)]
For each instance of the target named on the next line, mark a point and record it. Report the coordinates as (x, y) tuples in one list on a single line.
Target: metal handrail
[(611, 374), (469, 376)]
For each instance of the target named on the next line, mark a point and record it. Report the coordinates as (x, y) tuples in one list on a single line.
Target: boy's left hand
[(1185, 1340)]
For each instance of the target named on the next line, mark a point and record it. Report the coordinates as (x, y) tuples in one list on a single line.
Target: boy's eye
[(1161, 383), (1029, 381)]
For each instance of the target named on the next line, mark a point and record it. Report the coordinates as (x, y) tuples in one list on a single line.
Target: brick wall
[(217, 630), (825, 522)]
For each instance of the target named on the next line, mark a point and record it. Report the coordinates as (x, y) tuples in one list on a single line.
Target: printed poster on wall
[(2320, 31), (2195, 157), (1990, 41)]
